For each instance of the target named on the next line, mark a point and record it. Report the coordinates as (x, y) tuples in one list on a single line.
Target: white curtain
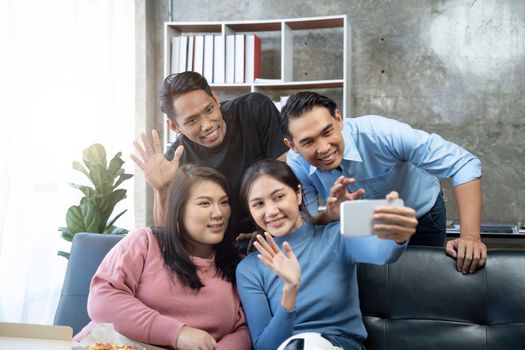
[(66, 82)]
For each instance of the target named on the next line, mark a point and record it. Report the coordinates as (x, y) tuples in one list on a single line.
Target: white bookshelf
[(284, 29)]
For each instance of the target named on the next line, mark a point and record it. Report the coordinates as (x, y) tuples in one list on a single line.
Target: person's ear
[(289, 142), (173, 125), (299, 195), (339, 119), (215, 97)]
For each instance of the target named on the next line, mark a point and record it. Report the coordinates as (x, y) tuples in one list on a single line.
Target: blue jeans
[(431, 229), (347, 343)]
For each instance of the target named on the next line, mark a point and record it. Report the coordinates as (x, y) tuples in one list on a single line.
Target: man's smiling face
[(316, 136), (199, 118)]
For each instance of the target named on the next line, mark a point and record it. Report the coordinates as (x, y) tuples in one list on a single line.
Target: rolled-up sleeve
[(431, 152)]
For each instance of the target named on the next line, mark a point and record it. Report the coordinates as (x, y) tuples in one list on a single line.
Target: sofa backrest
[(422, 302), (87, 252)]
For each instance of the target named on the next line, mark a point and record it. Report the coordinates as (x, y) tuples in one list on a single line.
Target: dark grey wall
[(454, 67)]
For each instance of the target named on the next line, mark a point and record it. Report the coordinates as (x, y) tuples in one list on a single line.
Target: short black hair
[(303, 102), (178, 84)]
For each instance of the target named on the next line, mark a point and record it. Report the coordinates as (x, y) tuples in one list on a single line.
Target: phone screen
[(356, 216)]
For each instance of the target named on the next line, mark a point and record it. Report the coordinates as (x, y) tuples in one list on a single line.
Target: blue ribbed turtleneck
[(328, 298)]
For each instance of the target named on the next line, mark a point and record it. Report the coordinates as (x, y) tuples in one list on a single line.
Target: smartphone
[(356, 216)]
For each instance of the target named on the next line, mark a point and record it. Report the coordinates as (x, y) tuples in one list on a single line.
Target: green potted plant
[(95, 208)]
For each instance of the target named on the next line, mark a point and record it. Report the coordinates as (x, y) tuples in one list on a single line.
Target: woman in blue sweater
[(310, 285)]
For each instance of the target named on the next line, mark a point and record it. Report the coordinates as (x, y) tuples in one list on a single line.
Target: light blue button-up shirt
[(385, 155)]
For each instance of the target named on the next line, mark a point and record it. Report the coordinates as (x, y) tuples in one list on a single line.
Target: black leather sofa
[(422, 302)]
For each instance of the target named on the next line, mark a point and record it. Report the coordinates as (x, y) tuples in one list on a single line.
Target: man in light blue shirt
[(370, 156)]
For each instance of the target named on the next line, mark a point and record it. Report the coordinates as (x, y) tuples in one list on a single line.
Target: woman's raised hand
[(286, 266)]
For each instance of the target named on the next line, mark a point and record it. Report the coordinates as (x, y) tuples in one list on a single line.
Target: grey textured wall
[(456, 68)]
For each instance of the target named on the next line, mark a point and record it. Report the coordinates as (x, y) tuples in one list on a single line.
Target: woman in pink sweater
[(175, 286)]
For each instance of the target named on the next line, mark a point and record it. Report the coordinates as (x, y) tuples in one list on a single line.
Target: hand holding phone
[(357, 216)]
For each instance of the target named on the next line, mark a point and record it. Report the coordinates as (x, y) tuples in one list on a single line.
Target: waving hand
[(158, 170)]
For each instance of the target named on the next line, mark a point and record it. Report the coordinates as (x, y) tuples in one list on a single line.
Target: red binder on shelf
[(253, 58)]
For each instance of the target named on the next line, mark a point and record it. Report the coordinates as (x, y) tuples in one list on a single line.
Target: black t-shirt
[(252, 133)]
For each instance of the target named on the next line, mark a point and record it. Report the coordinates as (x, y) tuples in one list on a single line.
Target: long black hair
[(173, 239)]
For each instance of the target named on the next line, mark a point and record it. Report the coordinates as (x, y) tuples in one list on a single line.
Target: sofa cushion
[(422, 302)]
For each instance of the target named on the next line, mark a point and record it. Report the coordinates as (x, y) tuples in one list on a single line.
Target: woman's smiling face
[(206, 217), (274, 206)]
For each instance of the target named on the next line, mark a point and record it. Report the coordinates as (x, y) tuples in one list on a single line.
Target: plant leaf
[(88, 191), (122, 178), (75, 219), (115, 165), (99, 201), (117, 231), (112, 221), (109, 203), (83, 218), (94, 155), (101, 179), (80, 167), (68, 236), (64, 254), (95, 160), (91, 215)]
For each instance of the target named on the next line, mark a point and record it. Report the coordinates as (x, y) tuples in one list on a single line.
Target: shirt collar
[(350, 152)]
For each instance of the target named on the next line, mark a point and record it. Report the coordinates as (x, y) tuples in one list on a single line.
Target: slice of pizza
[(103, 346)]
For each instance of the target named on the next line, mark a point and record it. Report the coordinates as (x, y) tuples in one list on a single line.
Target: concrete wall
[(456, 68)]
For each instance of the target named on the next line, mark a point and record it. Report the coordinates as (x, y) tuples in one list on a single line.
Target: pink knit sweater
[(135, 292)]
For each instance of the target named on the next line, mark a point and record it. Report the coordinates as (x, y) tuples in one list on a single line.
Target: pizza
[(103, 346)]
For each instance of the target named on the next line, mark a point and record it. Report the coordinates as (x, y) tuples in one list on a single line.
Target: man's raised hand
[(158, 170), (338, 194)]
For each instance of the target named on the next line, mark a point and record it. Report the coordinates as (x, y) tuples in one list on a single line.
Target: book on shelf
[(208, 58), (183, 53), (198, 54), (268, 81), (239, 57), (253, 58), (175, 47), (189, 63), (230, 59), (218, 59)]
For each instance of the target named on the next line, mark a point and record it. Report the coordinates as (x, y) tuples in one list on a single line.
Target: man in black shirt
[(226, 136)]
